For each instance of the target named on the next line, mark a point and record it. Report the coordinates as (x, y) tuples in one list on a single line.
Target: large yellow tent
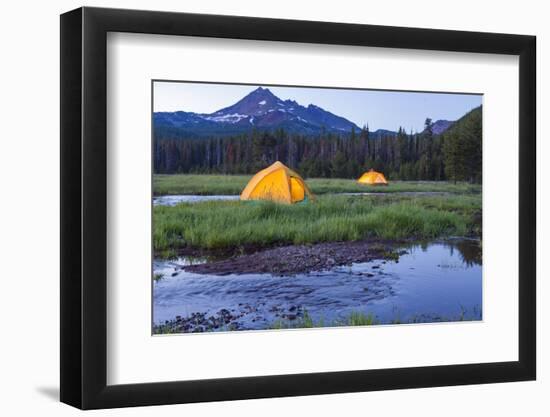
[(373, 178), (278, 183)]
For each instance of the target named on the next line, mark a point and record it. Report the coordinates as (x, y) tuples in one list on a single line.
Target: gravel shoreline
[(297, 259)]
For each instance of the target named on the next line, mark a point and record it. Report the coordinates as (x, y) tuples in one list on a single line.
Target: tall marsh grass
[(233, 224)]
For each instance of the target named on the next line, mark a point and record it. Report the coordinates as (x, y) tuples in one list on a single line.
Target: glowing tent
[(277, 183), (373, 178)]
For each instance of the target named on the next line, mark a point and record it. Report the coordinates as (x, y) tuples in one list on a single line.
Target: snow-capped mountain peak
[(264, 110)]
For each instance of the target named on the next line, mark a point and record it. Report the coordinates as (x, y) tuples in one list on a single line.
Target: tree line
[(454, 155)]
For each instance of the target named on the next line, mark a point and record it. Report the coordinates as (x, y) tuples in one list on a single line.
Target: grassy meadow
[(234, 184), (214, 225)]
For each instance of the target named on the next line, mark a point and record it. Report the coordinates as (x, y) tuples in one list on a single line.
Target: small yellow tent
[(278, 183), (373, 178)]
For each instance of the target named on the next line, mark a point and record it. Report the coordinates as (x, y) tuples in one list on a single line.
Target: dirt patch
[(297, 259)]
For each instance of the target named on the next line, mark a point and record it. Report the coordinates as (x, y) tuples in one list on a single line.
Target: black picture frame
[(84, 207)]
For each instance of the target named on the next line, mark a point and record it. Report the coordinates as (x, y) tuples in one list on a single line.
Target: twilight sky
[(378, 109)]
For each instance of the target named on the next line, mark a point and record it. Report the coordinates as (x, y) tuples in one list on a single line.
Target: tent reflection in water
[(373, 178), (277, 183)]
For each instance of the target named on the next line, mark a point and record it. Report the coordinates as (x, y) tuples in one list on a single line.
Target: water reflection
[(469, 250)]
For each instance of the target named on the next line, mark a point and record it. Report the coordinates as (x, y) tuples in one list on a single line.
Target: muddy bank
[(297, 259)]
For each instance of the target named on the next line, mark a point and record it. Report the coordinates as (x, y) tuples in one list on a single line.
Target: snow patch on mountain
[(226, 118)]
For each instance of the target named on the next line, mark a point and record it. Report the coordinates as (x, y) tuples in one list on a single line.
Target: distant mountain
[(378, 133), (260, 109), (263, 110), (441, 126), (438, 128)]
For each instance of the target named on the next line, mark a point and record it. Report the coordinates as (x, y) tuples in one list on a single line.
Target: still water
[(438, 281), (172, 200)]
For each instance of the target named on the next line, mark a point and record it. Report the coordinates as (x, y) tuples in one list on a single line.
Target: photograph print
[(291, 207)]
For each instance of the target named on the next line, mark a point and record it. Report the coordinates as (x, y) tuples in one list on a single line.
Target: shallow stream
[(438, 281)]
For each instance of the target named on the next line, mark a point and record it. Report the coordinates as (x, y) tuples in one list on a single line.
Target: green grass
[(303, 322), (234, 184), (361, 319), (336, 185), (199, 184), (365, 319), (233, 224)]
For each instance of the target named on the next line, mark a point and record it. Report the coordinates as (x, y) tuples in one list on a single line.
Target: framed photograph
[(258, 208)]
